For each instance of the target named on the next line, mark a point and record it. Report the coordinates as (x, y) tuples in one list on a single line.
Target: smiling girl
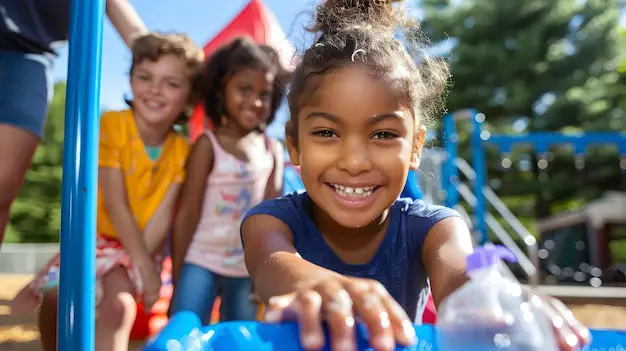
[(348, 248), (229, 171), (140, 168)]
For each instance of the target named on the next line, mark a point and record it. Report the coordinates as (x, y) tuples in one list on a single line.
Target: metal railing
[(530, 263)]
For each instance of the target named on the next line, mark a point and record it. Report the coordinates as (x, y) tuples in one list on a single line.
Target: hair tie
[(356, 52)]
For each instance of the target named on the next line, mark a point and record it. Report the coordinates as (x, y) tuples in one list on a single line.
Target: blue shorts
[(197, 289), (26, 90)]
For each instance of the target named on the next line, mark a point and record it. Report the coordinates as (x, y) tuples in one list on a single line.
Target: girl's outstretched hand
[(338, 301), (570, 333)]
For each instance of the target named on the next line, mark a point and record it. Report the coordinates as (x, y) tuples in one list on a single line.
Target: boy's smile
[(160, 90), (355, 145)]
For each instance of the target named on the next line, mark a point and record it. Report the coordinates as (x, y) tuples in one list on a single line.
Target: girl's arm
[(159, 225), (125, 20), (292, 286), (115, 202), (443, 253), (191, 200), (272, 260), (275, 183)]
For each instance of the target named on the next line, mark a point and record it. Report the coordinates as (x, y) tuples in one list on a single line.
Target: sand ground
[(19, 333)]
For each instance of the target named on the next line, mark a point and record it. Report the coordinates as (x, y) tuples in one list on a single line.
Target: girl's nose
[(355, 158)]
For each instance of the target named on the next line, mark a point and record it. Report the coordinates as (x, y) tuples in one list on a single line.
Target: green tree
[(536, 65), (622, 71), (622, 67), (36, 213)]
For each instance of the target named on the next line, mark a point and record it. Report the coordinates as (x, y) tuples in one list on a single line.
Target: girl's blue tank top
[(397, 264)]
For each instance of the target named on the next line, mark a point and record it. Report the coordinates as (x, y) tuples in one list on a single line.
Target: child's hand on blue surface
[(338, 301)]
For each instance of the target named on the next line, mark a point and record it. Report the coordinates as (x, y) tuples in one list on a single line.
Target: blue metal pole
[(480, 166), (76, 318)]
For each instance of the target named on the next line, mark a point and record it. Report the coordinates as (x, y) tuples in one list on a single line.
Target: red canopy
[(257, 22)]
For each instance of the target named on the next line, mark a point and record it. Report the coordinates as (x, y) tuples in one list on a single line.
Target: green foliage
[(536, 65), (622, 66), (36, 213)]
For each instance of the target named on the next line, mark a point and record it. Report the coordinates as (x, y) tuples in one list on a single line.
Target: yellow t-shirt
[(147, 181)]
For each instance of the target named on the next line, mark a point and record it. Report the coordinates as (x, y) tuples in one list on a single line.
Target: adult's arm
[(125, 20)]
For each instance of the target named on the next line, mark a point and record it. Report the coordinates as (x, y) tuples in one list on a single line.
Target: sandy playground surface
[(19, 333)]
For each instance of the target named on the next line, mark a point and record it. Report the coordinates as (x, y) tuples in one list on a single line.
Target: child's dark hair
[(280, 81), (362, 31), (239, 54), (153, 46)]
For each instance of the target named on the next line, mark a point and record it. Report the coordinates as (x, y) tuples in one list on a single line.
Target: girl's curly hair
[(364, 32), (280, 81), (239, 54)]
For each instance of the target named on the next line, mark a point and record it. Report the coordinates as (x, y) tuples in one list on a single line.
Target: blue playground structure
[(292, 182), (76, 319), (480, 195), (185, 332), (480, 139)]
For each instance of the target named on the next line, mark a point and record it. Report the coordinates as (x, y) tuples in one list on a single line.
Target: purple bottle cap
[(487, 256)]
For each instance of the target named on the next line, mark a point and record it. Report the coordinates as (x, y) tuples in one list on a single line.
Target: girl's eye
[(265, 97), (142, 77), (385, 135), (325, 133), (173, 84)]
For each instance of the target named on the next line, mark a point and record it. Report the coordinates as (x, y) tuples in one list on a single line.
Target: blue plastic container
[(184, 332)]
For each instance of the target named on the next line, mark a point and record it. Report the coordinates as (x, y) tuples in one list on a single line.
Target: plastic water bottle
[(491, 312)]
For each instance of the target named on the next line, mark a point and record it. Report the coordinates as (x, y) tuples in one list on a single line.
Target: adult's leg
[(195, 291), (17, 148), (116, 312), (236, 303), (25, 91)]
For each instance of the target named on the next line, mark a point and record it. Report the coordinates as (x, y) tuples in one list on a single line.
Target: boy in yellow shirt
[(141, 166)]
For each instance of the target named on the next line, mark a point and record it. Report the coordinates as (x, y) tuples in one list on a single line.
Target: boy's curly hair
[(153, 46), (241, 53), (363, 31)]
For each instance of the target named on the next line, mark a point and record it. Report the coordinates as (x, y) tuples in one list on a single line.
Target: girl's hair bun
[(334, 16)]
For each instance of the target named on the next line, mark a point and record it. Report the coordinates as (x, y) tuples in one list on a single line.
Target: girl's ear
[(292, 144), (292, 149), (418, 145)]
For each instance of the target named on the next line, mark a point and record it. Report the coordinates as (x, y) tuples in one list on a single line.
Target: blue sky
[(201, 19)]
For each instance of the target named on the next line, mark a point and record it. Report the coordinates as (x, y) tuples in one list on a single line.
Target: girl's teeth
[(353, 192)]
